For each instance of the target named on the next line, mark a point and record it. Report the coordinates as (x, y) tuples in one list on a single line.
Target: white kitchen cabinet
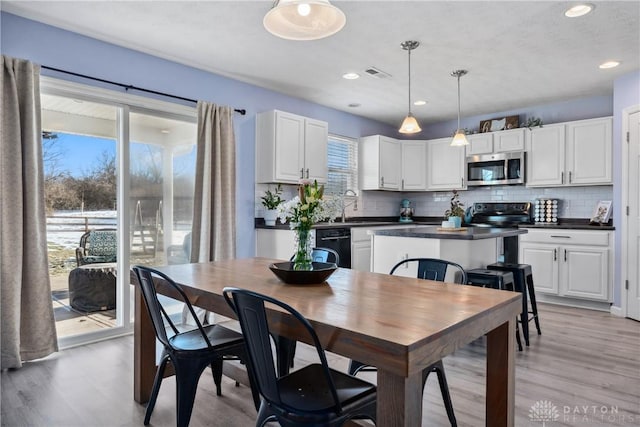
[(445, 165), (480, 143), (570, 154), (570, 263), (277, 243), (496, 142), (361, 245), (379, 163), (389, 164), (414, 165), (545, 156), (589, 152), (290, 147)]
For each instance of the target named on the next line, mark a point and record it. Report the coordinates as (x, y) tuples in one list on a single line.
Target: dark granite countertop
[(571, 224), (565, 223), (356, 222), (433, 232)]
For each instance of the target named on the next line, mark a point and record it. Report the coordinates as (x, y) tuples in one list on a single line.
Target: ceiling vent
[(378, 74)]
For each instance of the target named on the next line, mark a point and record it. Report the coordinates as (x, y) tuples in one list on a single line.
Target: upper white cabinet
[(379, 163), (290, 147), (589, 152), (574, 153), (390, 164), (496, 142), (414, 165), (445, 165)]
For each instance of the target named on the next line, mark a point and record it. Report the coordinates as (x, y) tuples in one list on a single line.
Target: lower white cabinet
[(570, 263), (361, 245), (277, 243)]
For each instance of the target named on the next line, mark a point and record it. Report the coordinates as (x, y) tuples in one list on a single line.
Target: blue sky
[(79, 155)]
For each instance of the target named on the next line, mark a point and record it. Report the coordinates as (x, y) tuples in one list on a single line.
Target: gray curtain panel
[(214, 210), (213, 236), (28, 325)]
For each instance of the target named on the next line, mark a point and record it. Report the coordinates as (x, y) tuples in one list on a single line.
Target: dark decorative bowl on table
[(285, 272)]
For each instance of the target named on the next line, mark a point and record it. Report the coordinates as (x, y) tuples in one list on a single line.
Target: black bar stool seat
[(523, 276), (494, 279)]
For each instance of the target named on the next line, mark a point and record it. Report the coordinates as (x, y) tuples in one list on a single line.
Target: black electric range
[(502, 215)]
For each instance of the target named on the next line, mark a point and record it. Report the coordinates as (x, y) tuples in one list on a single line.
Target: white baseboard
[(617, 311)]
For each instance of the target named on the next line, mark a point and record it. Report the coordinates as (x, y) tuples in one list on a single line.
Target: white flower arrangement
[(308, 207)]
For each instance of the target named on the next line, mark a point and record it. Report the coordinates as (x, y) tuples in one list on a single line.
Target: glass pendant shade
[(410, 125), (304, 19), (459, 139)]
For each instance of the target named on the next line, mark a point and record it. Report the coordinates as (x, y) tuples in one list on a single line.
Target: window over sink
[(342, 159)]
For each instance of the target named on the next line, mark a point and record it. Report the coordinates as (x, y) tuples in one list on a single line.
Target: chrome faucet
[(349, 192)]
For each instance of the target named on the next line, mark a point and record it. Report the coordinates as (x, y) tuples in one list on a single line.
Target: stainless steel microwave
[(496, 169)]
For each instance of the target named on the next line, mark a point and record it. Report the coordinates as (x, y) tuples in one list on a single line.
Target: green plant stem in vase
[(302, 259)]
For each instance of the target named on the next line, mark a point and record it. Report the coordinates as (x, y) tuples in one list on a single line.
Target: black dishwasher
[(338, 239)]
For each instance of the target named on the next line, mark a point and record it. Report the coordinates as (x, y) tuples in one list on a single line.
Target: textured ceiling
[(518, 53)]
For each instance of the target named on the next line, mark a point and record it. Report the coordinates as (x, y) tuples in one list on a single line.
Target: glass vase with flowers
[(302, 212)]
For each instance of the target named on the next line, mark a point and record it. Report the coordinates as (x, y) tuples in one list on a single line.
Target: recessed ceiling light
[(350, 76), (354, 105), (578, 10), (609, 64), (420, 102), (165, 131)]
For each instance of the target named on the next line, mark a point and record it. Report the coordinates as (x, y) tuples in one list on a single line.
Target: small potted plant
[(456, 212), (270, 201)]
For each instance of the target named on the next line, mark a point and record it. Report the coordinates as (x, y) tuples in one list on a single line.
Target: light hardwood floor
[(586, 364)]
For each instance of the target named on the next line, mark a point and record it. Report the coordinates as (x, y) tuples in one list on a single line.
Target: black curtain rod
[(128, 87)]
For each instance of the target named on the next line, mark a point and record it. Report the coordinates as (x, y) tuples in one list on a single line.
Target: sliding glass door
[(119, 174)]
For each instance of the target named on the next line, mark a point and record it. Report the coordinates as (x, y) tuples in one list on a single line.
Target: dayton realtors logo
[(545, 411)]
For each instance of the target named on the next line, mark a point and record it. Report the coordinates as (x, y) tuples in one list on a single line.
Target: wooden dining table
[(399, 325)]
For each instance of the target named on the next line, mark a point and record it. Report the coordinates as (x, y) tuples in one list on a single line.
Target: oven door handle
[(335, 238)]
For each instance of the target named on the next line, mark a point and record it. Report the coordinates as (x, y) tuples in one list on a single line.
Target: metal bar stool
[(495, 279), (524, 283)]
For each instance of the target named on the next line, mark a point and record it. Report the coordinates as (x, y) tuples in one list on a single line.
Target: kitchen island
[(473, 247)]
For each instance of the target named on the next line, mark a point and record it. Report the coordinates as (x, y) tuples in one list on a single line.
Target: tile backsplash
[(575, 202)]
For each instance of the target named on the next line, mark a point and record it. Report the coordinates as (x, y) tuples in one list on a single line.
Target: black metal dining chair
[(189, 352), (317, 255), (438, 270), (314, 395)]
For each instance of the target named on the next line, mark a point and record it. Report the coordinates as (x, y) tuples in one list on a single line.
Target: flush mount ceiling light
[(578, 10), (410, 124), (459, 139), (609, 64), (303, 19), (420, 102), (351, 76)]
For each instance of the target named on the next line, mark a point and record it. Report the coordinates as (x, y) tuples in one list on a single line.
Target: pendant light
[(303, 19), (459, 139), (410, 124)]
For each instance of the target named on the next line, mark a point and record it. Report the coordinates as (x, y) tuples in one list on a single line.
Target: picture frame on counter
[(602, 212), (500, 123)]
